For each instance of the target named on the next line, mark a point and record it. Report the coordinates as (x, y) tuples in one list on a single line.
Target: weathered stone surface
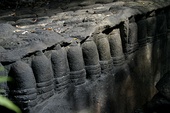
[(28, 43), (79, 24), (122, 75), (6, 31)]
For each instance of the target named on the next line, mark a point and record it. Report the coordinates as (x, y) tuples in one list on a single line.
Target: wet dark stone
[(161, 23), (151, 25), (163, 85), (158, 104)]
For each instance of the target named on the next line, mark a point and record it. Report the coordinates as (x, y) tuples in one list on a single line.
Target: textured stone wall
[(99, 58)]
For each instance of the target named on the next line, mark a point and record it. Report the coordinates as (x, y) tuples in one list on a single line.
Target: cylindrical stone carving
[(132, 44), (129, 35), (91, 59), (3, 84), (161, 25), (151, 28), (168, 17), (23, 85), (116, 47), (142, 32), (42, 69), (60, 68), (133, 33), (76, 64), (103, 47)]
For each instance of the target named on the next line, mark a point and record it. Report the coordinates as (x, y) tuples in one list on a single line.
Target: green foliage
[(9, 104), (2, 68), (4, 79)]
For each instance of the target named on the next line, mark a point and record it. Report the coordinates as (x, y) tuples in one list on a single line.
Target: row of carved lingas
[(140, 30), (110, 50), (44, 71), (107, 52), (152, 28)]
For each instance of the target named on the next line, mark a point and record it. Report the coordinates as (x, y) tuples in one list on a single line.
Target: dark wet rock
[(163, 85), (161, 23), (142, 31), (161, 100), (158, 104), (151, 24)]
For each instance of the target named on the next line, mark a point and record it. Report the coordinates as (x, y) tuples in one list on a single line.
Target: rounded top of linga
[(89, 39), (22, 75), (38, 53), (74, 43), (57, 47)]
